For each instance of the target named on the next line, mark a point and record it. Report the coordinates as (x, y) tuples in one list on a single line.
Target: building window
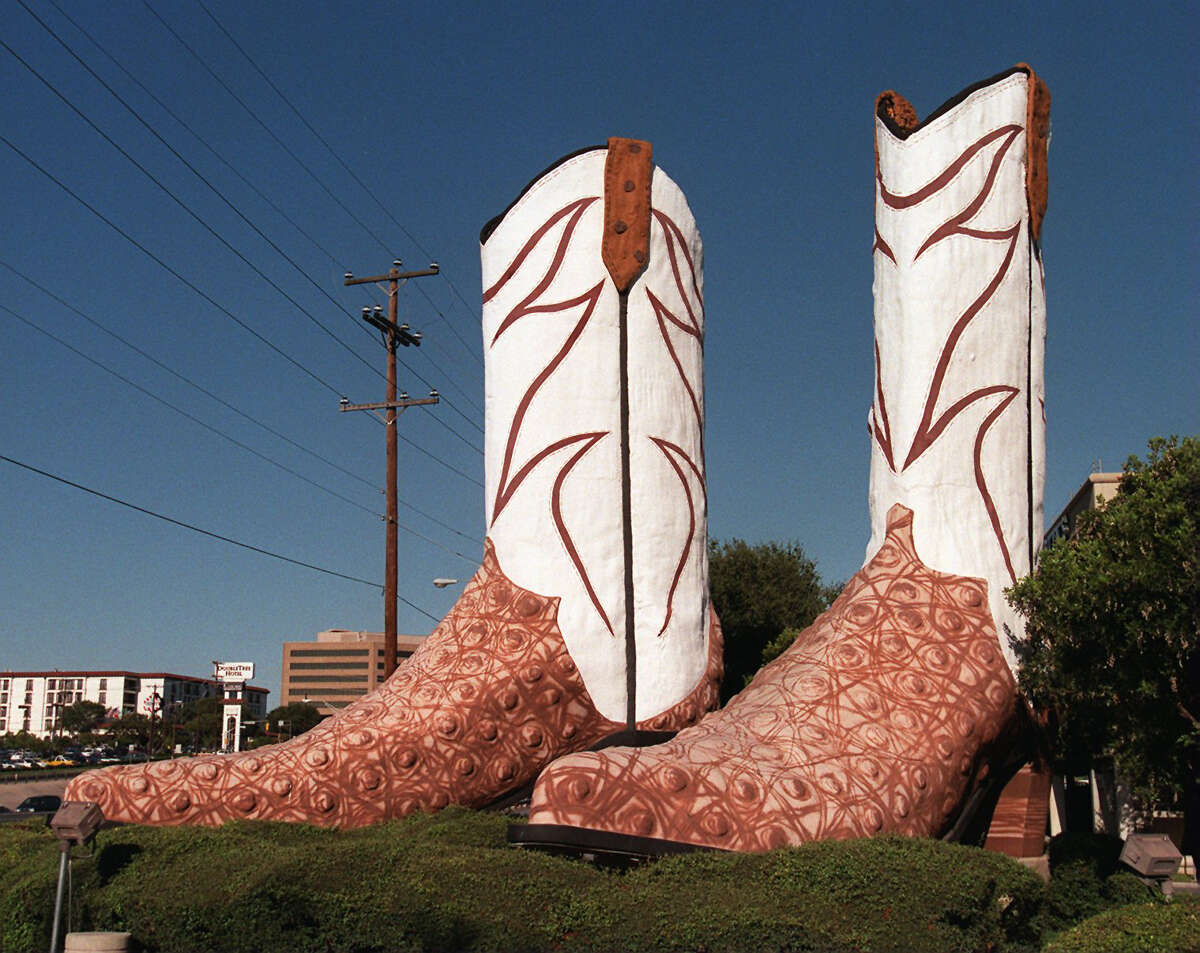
[(305, 679)]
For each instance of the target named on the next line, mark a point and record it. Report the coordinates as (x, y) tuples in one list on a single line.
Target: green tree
[(292, 719), (759, 592), (84, 716), (132, 728), (1114, 627), (24, 741), (199, 723)]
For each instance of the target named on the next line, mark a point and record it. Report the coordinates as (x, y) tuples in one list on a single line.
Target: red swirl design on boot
[(489, 699), (877, 719)]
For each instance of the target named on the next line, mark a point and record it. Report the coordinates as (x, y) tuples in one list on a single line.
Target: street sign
[(234, 671), (152, 703)]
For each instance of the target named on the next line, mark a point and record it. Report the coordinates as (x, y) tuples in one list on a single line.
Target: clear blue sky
[(761, 112)]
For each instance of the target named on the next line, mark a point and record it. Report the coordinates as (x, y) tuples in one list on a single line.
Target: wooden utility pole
[(394, 335)]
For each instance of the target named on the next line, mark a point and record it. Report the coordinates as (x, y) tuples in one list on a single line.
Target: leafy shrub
[(451, 882), (1086, 880), (1123, 888), (1141, 928), (1099, 853), (878, 894)]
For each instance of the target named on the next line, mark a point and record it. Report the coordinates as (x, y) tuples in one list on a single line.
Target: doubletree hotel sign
[(234, 671), (233, 675)]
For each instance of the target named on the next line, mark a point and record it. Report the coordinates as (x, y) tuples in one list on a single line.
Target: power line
[(182, 412), (438, 311), (386, 211), (195, 135), (146, 90), (174, 373), (23, 319), (225, 86), (178, 201), (146, 251), (204, 532), (446, 374), (233, 317), (263, 196), (226, 404), (233, 440), (234, 208)]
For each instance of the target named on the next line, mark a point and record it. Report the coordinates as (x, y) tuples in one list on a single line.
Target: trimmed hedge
[(451, 882), (1085, 880), (1141, 928)]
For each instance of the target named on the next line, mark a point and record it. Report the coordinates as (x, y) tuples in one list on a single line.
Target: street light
[(318, 702), (443, 583), (176, 708)]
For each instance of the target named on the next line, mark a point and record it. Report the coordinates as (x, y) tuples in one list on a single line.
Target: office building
[(339, 667)]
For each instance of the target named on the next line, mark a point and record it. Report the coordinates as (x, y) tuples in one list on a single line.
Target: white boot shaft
[(553, 460), (957, 424)]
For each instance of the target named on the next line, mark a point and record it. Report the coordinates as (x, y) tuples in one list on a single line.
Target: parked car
[(40, 803)]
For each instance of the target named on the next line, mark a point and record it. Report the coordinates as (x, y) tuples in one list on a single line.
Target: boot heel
[(1018, 827)]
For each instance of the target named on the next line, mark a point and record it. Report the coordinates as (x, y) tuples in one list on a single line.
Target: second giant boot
[(897, 710), (589, 619)]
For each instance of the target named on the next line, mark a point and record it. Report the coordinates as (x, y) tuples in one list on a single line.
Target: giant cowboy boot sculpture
[(896, 711), (589, 618)]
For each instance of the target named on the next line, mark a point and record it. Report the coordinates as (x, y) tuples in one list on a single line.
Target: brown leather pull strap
[(625, 247), (1037, 138)]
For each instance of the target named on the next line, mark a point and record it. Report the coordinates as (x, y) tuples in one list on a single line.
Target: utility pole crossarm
[(393, 275), (385, 404)]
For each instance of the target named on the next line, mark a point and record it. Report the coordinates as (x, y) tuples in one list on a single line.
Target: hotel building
[(34, 701)]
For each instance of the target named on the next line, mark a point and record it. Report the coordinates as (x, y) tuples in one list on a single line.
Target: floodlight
[(76, 822), (1151, 855)]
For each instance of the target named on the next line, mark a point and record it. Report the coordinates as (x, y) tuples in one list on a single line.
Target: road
[(14, 793)]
